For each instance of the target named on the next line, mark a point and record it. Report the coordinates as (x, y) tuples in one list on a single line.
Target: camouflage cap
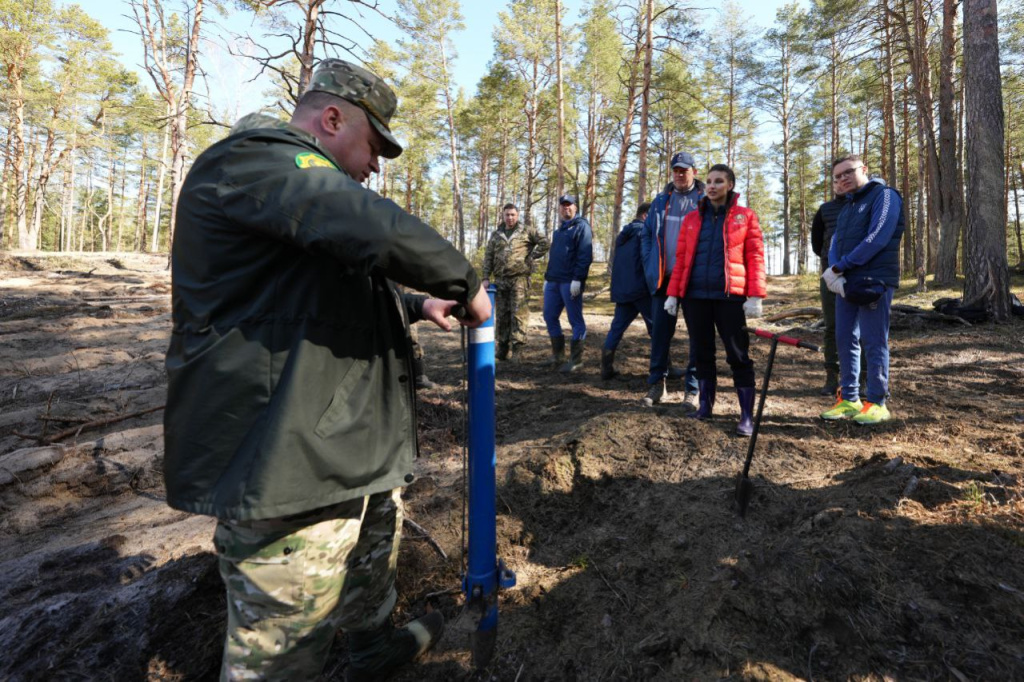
[(364, 89)]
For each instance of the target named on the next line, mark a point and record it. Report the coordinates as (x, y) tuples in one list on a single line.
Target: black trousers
[(703, 316)]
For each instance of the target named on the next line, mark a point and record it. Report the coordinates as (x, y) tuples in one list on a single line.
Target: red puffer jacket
[(744, 251)]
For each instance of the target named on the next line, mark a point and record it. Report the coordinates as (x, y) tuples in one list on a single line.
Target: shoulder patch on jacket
[(313, 160), (741, 218)]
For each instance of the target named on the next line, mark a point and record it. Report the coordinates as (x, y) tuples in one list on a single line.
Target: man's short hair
[(642, 209), (848, 157), (315, 101), (508, 206)]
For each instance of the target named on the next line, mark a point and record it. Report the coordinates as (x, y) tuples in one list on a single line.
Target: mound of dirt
[(894, 552)]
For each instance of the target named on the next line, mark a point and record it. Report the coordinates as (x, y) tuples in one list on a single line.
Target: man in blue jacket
[(658, 250), (568, 266), (629, 289), (865, 271)]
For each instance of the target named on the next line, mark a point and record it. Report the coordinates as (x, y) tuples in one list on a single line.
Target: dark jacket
[(628, 283), (707, 274), (866, 244), (571, 252), (654, 250), (288, 367), (823, 227)]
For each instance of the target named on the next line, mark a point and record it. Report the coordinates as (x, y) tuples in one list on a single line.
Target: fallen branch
[(128, 299), (76, 430), (928, 314), (424, 535), (443, 593), (66, 420), (797, 312)]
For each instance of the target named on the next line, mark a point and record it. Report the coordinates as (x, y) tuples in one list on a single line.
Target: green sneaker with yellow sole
[(873, 413), (843, 409)]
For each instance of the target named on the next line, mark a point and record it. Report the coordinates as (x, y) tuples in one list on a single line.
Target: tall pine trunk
[(645, 106), (951, 196), (987, 279)]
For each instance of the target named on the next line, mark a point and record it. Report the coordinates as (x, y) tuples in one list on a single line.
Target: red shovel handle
[(782, 339)]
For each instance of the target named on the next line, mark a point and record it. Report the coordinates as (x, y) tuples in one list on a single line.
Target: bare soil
[(887, 553)]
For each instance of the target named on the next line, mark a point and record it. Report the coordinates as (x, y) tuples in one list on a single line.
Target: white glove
[(671, 305), (835, 282), (752, 307), (574, 288)]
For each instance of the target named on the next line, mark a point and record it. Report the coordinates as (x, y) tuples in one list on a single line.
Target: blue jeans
[(625, 313), (663, 330), (864, 327), (558, 298)]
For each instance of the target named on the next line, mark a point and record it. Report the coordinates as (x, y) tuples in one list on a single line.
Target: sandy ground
[(894, 552)]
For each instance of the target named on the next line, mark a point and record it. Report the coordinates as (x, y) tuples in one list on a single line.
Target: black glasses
[(848, 173)]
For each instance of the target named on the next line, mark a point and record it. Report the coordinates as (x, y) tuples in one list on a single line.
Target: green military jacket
[(511, 255), (288, 367)]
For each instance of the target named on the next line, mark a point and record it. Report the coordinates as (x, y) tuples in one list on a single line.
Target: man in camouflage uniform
[(508, 261), (290, 409)]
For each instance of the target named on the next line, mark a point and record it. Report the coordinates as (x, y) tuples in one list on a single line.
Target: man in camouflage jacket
[(290, 410), (508, 262)]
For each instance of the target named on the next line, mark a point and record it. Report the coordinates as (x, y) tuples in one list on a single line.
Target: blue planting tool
[(485, 574)]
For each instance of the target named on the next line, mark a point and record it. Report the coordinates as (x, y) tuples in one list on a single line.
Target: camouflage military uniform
[(508, 262), (293, 581)]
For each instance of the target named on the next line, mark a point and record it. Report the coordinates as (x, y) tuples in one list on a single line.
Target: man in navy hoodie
[(629, 289), (568, 266), (658, 250), (865, 271)]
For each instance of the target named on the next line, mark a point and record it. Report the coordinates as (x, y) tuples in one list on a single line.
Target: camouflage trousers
[(292, 582), (512, 310)]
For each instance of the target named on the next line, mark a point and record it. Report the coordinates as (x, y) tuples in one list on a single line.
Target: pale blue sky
[(227, 76)]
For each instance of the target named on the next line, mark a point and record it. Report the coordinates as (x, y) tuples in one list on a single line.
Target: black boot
[(575, 357), (707, 399), (501, 351), (746, 425), (831, 383), (515, 353), (607, 364), (420, 379), (375, 654), (557, 351)]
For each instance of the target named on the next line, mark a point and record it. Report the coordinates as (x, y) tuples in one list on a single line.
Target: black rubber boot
[(557, 351), (831, 383), (575, 357), (419, 378), (706, 398), (375, 654), (746, 425), (607, 364), (501, 351)]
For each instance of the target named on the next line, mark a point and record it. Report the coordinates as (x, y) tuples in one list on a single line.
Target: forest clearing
[(895, 552)]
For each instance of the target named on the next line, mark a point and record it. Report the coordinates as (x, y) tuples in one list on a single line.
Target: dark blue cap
[(566, 199), (683, 160)]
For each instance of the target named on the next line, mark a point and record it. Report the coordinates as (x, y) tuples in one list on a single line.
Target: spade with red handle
[(744, 486)]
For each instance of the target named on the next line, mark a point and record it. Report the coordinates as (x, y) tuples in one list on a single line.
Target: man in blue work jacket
[(568, 266)]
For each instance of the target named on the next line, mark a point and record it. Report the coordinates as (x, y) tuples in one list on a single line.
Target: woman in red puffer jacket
[(719, 278)]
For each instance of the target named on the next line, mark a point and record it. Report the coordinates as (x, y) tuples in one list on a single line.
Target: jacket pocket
[(348, 405)]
